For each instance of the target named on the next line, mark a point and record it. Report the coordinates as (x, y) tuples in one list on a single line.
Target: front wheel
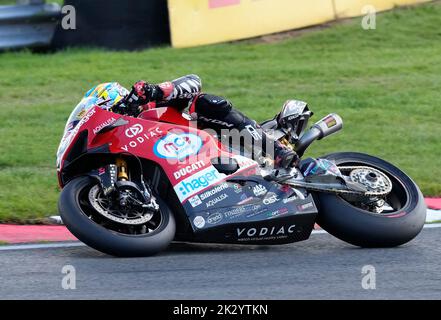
[(401, 220), (93, 219)]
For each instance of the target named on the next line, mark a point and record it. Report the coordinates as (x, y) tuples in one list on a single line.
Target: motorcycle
[(132, 185)]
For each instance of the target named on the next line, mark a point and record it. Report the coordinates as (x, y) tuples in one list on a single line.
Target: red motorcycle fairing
[(163, 114), (236, 207), (184, 152)]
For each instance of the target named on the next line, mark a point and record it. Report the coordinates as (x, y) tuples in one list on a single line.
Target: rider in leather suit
[(185, 94)]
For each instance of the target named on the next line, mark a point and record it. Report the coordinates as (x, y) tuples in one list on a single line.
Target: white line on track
[(80, 244), (41, 246)]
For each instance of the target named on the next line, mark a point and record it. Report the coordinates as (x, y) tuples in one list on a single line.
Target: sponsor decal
[(237, 187), (197, 182), (305, 206), (195, 201), (215, 121), (265, 232), (141, 138), (106, 123), (81, 114), (214, 218), (216, 200), (188, 169), (199, 222), (71, 126), (256, 210), (245, 199), (213, 191), (83, 120), (259, 190), (270, 200), (177, 146), (134, 130), (277, 212), (232, 213), (330, 121), (71, 134), (288, 200)]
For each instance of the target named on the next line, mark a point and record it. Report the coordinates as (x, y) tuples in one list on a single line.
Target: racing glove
[(143, 92)]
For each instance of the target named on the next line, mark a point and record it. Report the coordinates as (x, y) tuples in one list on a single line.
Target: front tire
[(367, 229), (104, 239)]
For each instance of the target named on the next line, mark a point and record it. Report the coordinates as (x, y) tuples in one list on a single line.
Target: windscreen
[(78, 112)]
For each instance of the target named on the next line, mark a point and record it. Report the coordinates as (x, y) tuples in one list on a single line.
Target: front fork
[(123, 180), (115, 178), (121, 165)]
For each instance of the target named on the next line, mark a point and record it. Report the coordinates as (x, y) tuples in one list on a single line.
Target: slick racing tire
[(357, 226), (77, 217)]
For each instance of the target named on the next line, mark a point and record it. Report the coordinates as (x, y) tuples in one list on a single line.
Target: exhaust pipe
[(321, 129)]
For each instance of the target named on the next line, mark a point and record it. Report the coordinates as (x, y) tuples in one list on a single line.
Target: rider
[(185, 93)]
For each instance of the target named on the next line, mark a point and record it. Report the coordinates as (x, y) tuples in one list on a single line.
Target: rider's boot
[(262, 145)]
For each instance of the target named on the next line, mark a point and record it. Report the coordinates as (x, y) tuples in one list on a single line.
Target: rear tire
[(109, 241), (367, 229)]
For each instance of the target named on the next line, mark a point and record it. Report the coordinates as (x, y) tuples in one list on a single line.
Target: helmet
[(294, 116), (107, 94)]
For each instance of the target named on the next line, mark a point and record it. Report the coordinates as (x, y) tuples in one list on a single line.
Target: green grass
[(385, 83)]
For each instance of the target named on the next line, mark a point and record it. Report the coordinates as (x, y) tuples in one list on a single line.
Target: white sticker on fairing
[(197, 182), (199, 222), (195, 201), (177, 146), (182, 172)]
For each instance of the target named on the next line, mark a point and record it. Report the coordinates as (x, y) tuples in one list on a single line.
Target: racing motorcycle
[(131, 185)]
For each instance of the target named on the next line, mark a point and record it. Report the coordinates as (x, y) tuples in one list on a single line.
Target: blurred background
[(381, 73)]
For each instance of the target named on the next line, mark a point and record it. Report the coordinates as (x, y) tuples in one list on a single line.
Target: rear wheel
[(103, 225), (365, 224)]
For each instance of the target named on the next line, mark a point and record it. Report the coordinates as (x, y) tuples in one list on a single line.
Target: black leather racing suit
[(217, 113)]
